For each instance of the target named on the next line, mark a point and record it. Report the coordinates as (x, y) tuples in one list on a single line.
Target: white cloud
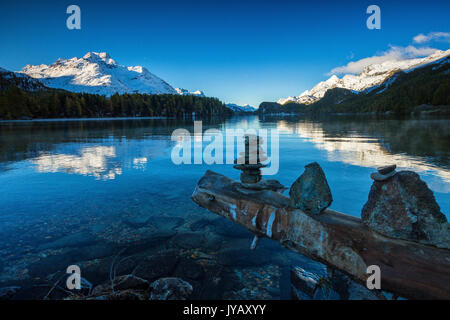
[(436, 36), (393, 54)]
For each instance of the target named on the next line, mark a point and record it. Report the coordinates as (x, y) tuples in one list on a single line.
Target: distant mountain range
[(396, 85), (98, 73), (370, 78), (402, 87), (240, 109)]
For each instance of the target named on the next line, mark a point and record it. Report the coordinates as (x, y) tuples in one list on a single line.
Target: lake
[(90, 192)]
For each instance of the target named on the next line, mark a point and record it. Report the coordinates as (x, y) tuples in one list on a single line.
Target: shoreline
[(84, 119)]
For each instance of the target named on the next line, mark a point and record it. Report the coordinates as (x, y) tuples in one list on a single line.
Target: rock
[(386, 169), (165, 223), (337, 286), (244, 257), (121, 283), (170, 289), (303, 284), (404, 207), (347, 289), (7, 293), (229, 229), (249, 178), (122, 295), (310, 192), (189, 240), (189, 269), (384, 173), (273, 185), (382, 177), (78, 239), (242, 294), (158, 265)]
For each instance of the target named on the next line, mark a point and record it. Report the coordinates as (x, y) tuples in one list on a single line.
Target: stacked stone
[(249, 161), (384, 173)]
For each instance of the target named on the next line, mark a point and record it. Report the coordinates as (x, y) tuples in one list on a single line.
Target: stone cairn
[(400, 205), (250, 164), (249, 161)]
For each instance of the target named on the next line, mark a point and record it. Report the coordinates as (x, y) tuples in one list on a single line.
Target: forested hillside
[(21, 102)]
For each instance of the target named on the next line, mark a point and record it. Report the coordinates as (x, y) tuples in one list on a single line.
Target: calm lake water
[(83, 192)]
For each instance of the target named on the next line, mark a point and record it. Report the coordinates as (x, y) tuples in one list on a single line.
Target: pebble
[(382, 177), (386, 169)]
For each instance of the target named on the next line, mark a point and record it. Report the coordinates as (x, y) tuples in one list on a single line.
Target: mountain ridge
[(373, 75), (98, 73), (421, 89), (239, 109)]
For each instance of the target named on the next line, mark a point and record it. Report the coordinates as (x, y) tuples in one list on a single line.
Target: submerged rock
[(404, 207), (336, 286), (170, 289), (310, 192), (347, 289), (121, 283), (7, 293), (128, 294), (303, 284)]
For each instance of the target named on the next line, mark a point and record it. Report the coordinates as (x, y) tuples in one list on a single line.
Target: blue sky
[(238, 51)]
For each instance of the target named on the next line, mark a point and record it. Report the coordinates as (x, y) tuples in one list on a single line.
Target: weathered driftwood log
[(409, 269)]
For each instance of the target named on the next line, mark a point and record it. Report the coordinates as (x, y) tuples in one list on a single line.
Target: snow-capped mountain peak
[(238, 108), (98, 73), (185, 92), (371, 76), (97, 57)]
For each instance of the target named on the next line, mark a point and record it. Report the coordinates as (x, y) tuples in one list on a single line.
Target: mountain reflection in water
[(353, 147)]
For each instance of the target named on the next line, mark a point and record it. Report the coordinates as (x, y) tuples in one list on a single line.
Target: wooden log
[(409, 269)]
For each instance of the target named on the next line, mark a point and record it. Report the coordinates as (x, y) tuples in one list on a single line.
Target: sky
[(239, 51)]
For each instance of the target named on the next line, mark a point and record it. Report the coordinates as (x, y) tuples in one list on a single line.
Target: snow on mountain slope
[(185, 92), (97, 73), (238, 108), (372, 75)]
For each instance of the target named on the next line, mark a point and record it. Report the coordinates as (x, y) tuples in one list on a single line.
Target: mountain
[(371, 77), (185, 92), (97, 73), (421, 89), (238, 108)]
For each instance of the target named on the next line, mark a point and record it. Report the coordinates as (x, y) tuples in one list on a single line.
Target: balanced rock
[(170, 289), (273, 185), (310, 192), (387, 169), (404, 207), (384, 173)]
